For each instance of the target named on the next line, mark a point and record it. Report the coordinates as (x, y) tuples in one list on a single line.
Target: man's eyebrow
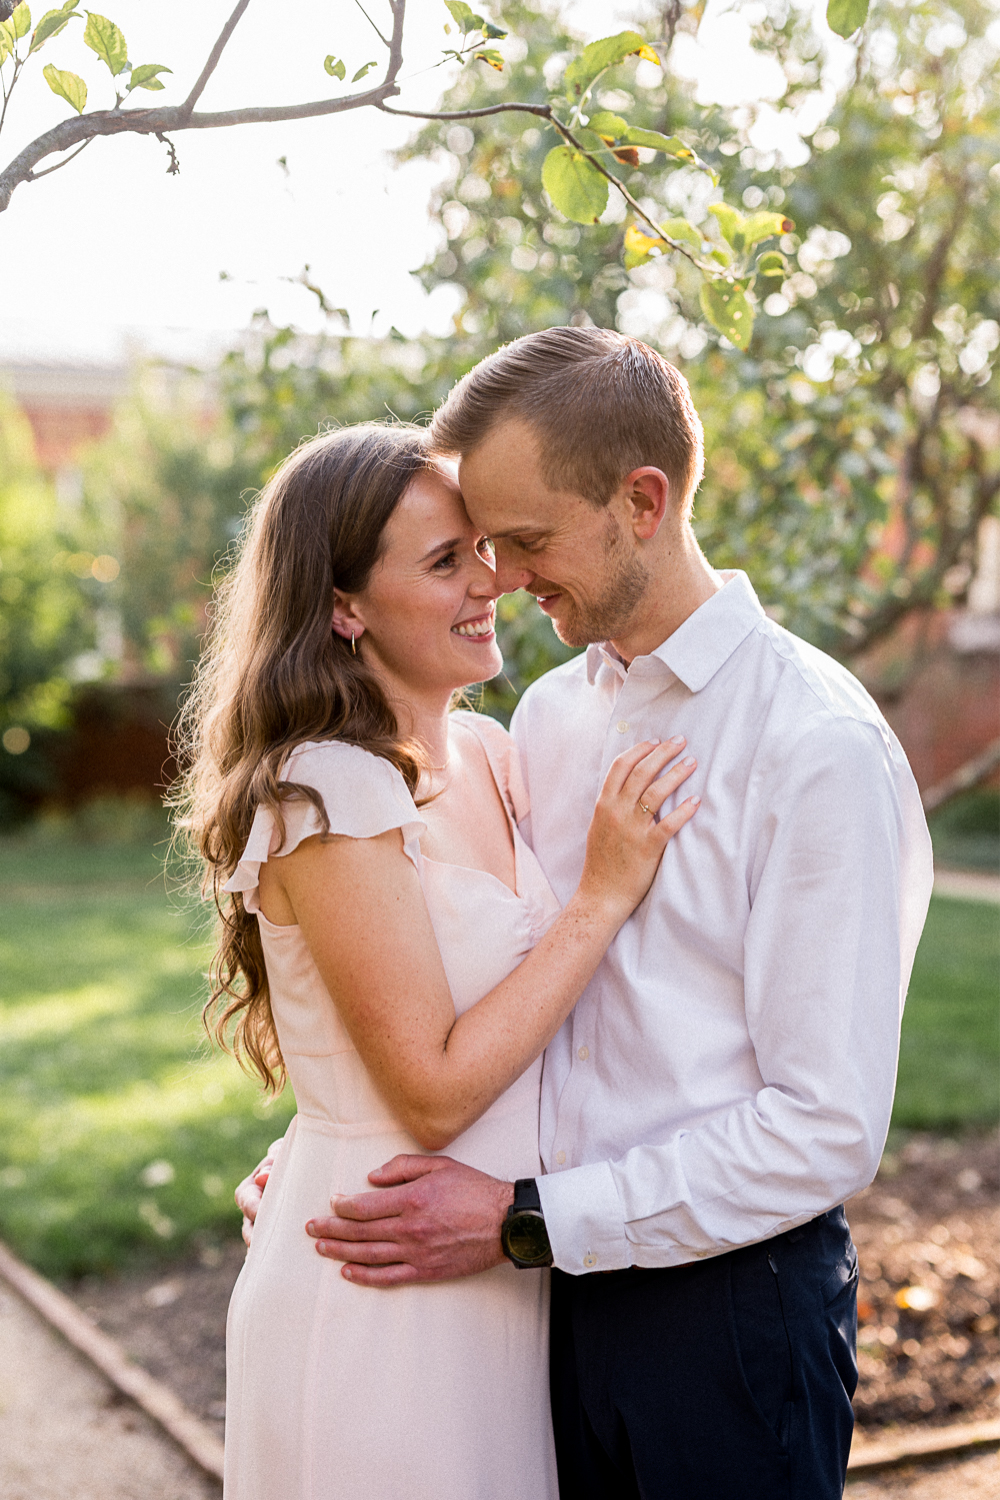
[(442, 547), (512, 531)]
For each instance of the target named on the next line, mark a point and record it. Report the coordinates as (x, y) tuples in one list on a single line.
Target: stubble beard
[(609, 615)]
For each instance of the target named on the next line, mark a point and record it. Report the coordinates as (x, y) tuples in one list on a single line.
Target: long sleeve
[(838, 880)]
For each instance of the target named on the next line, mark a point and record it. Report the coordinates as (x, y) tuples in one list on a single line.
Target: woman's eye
[(486, 547), (447, 561)]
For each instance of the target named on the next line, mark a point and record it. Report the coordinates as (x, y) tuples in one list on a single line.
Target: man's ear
[(347, 621), (647, 495)]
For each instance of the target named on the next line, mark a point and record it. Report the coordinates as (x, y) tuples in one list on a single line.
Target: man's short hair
[(601, 405)]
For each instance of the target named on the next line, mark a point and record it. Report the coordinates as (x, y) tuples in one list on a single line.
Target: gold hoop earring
[(354, 649)]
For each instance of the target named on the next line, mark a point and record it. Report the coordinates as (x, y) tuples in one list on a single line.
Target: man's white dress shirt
[(729, 1071)]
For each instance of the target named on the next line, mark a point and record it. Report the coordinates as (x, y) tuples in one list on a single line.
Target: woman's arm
[(362, 912)]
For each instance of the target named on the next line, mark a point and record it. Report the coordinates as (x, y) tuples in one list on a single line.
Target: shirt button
[(622, 726), (560, 1157), (583, 1053), (590, 1259)]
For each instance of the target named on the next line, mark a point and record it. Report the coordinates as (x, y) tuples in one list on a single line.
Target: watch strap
[(526, 1196)]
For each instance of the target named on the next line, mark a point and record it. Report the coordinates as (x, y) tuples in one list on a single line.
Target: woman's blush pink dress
[(341, 1392)]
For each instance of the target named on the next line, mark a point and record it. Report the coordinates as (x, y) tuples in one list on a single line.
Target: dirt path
[(64, 1431)]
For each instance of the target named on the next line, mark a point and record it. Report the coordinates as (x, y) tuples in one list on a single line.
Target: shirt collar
[(704, 642)]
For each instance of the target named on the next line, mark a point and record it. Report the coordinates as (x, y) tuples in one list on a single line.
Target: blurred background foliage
[(851, 455)]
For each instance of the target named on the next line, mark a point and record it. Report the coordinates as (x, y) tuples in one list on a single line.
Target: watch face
[(526, 1239)]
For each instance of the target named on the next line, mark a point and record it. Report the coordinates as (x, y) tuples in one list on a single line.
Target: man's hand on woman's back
[(251, 1190)]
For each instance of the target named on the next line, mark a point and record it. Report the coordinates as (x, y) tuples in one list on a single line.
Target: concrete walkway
[(65, 1432), (968, 885)]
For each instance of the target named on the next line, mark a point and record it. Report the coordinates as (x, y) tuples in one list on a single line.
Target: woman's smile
[(477, 628)]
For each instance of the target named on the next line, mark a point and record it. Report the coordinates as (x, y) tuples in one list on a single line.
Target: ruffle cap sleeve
[(504, 758), (363, 794)]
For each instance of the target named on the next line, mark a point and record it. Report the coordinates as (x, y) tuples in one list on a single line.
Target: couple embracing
[(618, 994)]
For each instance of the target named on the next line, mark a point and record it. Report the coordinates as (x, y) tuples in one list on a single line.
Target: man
[(726, 1080)]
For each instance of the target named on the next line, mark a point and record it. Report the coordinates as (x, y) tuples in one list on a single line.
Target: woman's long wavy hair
[(273, 675)]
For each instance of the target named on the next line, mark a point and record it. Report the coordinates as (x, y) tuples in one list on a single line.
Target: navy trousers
[(727, 1379)]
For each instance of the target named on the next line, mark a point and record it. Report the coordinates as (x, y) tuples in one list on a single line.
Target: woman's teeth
[(483, 627)]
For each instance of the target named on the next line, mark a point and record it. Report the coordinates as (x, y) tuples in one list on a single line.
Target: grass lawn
[(122, 1135), (949, 1061)]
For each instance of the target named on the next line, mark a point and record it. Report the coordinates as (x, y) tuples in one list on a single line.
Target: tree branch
[(81, 128), (213, 58)]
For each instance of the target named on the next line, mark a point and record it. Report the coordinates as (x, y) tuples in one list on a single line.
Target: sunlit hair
[(601, 405), (273, 675)]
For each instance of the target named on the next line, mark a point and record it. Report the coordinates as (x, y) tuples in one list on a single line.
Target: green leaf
[(603, 54), (335, 67), (13, 29), (68, 86), (845, 16), (144, 76), (52, 23), (464, 16), (772, 263), (362, 71), (491, 56), (670, 145), (20, 21), (731, 223), (727, 309), (103, 37), (682, 230), (493, 33), (613, 127), (764, 226), (574, 184)]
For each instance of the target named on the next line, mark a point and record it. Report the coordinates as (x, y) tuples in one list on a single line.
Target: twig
[(173, 165), (371, 23), (34, 176), (544, 110), (213, 58), (636, 208)]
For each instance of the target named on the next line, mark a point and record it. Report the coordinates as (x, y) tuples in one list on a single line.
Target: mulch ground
[(927, 1232)]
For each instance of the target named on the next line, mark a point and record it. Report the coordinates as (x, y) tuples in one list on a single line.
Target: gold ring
[(646, 809)]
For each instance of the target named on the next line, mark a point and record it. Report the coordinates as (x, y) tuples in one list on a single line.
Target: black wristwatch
[(523, 1236)]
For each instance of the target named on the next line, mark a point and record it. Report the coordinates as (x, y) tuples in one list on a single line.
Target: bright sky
[(113, 253)]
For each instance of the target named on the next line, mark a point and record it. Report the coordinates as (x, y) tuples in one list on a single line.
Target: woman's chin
[(489, 665)]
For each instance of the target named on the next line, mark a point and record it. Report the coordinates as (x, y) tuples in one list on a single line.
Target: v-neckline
[(512, 826)]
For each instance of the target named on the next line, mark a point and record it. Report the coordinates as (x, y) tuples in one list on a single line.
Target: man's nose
[(511, 575)]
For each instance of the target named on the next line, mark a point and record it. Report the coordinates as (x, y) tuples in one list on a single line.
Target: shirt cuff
[(584, 1220)]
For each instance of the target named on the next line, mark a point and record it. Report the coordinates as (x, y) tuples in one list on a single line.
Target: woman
[(393, 944)]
